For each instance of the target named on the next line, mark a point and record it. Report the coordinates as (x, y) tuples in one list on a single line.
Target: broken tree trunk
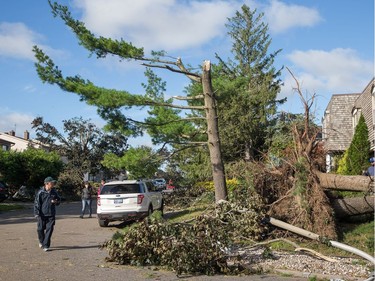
[(353, 206), (348, 183), (214, 146)]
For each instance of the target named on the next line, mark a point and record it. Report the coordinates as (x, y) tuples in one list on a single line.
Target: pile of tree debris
[(200, 246)]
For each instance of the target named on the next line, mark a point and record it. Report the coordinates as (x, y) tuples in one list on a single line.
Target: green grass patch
[(185, 215), (9, 207), (360, 236)]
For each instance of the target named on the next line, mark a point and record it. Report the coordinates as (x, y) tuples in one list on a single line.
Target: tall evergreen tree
[(248, 86)]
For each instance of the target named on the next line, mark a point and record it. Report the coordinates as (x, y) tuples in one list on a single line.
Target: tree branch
[(189, 98), (188, 74), (166, 123), (192, 76)]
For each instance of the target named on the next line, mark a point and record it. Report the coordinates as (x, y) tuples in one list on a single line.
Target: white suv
[(127, 200)]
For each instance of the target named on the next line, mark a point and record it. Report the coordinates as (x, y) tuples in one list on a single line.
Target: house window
[(356, 114), (5, 147)]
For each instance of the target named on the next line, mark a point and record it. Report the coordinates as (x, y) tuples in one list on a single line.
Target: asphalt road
[(75, 253)]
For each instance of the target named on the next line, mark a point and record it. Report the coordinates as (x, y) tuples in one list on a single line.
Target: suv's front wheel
[(103, 223)]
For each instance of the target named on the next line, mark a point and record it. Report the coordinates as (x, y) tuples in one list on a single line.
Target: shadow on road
[(65, 248)]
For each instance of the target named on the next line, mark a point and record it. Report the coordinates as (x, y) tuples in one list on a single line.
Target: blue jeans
[(86, 203)]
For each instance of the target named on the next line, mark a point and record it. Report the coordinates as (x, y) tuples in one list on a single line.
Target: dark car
[(3, 191)]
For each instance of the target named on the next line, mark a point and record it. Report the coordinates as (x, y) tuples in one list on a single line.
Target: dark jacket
[(86, 193), (43, 206)]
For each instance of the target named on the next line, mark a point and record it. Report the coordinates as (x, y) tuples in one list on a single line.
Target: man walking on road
[(44, 210)]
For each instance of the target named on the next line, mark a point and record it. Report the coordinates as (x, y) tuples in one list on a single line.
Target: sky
[(327, 44)]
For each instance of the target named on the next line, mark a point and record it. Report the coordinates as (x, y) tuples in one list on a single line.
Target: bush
[(355, 159), (209, 185)]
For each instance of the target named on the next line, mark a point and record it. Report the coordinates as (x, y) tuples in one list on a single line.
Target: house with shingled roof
[(341, 117)]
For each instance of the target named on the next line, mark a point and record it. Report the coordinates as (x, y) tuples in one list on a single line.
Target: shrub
[(355, 159)]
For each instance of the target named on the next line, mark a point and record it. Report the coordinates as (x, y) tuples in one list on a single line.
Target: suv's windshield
[(120, 189)]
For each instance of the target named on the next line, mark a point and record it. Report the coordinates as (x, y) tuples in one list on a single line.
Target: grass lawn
[(5, 206), (359, 236)]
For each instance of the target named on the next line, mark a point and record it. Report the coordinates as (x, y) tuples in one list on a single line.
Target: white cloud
[(282, 17), (18, 122), (339, 71), (16, 40), (29, 89), (158, 24)]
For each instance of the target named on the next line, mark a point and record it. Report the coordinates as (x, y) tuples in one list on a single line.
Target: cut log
[(345, 183), (353, 206)]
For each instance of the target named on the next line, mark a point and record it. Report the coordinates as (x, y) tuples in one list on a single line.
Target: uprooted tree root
[(301, 201), (294, 196)]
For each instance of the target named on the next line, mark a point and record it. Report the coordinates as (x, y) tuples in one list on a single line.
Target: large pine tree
[(248, 86)]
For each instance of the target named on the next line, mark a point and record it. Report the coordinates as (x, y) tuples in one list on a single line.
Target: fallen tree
[(345, 183), (295, 191), (353, 206)]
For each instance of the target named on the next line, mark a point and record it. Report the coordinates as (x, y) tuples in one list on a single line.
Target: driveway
[(75, 253)]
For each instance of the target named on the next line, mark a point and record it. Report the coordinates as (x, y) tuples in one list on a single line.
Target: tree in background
[(248, 86), (281, 144), (29, 167), (245, 93), (355, 158), (140, 162), (82, 144)]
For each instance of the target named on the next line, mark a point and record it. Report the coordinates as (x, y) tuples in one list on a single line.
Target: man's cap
[(49, 179), (372, 159)]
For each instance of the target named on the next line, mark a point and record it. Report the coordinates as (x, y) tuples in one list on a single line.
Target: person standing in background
[(102, 183), (45, 211), (86, 197), (370, 170)]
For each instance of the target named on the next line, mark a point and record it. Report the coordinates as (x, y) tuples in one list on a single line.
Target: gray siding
[(337, 122), (365, 105), (341, 117)]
